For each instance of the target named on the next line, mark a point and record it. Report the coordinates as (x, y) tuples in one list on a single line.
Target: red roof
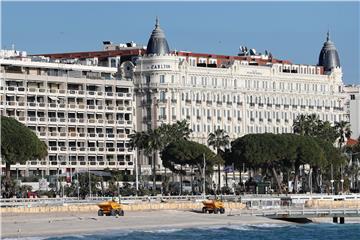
[(136, 52), (351, 142)]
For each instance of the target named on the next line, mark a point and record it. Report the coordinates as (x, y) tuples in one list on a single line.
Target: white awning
[(53, 98)]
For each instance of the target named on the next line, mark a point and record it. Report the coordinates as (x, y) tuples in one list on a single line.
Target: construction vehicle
[(110, 208), (213, 206)]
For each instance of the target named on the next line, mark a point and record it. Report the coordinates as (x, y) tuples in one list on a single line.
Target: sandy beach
[(56, 224)]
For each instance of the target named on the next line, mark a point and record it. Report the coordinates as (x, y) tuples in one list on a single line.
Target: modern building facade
[(353, 109), (103, 96), (82, 111)]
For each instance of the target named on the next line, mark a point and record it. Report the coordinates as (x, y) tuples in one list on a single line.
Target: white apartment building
[(353, 109), (136, 89), (83, 112)]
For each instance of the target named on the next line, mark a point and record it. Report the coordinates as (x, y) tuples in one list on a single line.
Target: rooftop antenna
[(328, 36), (157, 23)]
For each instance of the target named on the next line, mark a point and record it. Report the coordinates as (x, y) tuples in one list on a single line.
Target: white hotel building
[(85, 105)]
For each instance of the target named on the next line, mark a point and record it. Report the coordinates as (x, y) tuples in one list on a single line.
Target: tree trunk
[(219, 174), (277, 180), (219, 180), (154, 173), (7, 180), (296, 179), (181, 180)]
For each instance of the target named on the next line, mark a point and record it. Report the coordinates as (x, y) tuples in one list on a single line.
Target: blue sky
[(293, 31)]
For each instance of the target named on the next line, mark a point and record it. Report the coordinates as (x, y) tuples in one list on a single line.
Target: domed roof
[(329, 57), (157, 43)]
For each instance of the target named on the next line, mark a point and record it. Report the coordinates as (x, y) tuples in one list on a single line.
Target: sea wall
[(128, 207), (329, 203)]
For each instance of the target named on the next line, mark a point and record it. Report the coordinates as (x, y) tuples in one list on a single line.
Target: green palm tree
[(219, 140), (154, 144), (343, 132), (299, 125)]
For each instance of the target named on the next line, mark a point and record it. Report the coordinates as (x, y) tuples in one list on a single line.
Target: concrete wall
[(130, 207), (332, 204)]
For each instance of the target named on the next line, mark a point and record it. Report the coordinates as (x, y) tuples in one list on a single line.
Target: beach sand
[(56, 224)]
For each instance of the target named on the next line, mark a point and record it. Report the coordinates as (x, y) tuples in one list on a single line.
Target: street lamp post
[(204, 184), (89, 182), (332, 180), (78, 190), (17, 172)]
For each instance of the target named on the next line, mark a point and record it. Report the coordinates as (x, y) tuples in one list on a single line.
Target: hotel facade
[(84, 105)]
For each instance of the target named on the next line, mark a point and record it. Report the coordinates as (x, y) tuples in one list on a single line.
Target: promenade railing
[(296, 199)]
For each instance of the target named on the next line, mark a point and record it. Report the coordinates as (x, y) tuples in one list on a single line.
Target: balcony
[(239, 103), (269, 105), (252, 104), (62, 134), (261, 105), (92, 120), (173, 100), (198, 102), (110, 135), (92, 135), (338, 109), (277, 106), (162, 117), (209, 103), (187, 101), (286, 106)]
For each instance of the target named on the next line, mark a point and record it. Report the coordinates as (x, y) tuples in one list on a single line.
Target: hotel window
[(162, 112), (162, 95), (162, 78), (172, 78)]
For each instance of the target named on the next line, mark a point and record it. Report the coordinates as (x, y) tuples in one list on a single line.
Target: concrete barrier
[(129, 207), (329, 203)]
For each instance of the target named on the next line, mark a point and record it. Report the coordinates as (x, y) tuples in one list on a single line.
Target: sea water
[(232, 232)]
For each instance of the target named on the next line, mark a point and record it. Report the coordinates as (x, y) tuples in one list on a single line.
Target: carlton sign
[(159, 66)]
